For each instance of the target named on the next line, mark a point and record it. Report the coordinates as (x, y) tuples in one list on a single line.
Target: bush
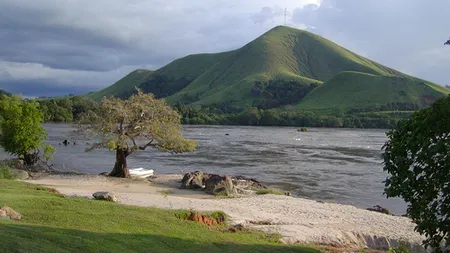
[(5, 172)]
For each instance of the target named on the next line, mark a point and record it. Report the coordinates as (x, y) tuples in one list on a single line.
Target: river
[(334, 165)]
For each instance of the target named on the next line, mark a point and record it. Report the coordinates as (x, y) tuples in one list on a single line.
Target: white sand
[(296, 219)]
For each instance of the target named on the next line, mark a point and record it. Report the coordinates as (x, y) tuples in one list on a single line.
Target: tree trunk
[(30, 158), (120, 168)]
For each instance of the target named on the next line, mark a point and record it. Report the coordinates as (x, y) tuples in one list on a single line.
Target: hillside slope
[(280, 67), (355, 89)]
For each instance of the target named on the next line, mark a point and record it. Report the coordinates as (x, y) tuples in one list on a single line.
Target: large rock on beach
[(109, 196), (380, 209), (246, 183), (194, 180), (220, 185), (214, 183)]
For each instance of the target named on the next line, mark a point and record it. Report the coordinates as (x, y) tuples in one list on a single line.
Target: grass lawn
[(54, 223)]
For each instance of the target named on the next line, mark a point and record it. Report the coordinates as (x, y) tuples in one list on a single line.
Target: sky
[(58, 47)]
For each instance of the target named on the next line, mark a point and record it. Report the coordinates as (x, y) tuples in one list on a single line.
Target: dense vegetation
[(21, 130), (275, 117), (54, 223), (417, 158), (284, 66), (70, 109), (65, 109), (276, 93)]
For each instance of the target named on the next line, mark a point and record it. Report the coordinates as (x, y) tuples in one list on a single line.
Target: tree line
[(69, 110)]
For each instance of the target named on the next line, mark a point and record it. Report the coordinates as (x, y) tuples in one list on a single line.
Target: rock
[(9, 212), (194, 180), (233, 230), (288, 194), (220, 185), (3, 215), (246, 183), (199, 180), (20, 174), (104, 174), (379, 209), (238, 227), (282, 241), (105, 196)]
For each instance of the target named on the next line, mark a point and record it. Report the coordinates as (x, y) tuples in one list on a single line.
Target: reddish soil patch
[(202, 219)]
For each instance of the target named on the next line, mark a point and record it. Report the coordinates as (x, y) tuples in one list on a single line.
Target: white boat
[(141, 173)]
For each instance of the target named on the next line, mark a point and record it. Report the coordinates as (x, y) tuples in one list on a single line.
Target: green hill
[(284, 66), (355, 89)]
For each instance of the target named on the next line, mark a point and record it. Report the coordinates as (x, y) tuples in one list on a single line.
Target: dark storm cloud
[(42, 88), (57, 47), (407, 35)]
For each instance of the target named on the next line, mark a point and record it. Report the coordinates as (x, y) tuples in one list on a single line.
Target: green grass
[(124, 85), (355, 89), (269, 191), (349, 80), (54, 223)]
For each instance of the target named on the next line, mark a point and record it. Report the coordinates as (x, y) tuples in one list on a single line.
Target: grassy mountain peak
[(282, 66)]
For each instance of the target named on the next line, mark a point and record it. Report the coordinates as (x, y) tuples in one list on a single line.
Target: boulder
[(105, 196), (246, 183), (3, 215), (194, 180), (104, 174), (220, 185), (20, 174), (380, 209), (233, 184), (7, 212)]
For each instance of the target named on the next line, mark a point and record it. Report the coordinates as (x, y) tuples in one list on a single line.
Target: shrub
[(5, 172)]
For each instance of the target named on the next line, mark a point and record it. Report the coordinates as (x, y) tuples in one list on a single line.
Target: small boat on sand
[(141, 173)]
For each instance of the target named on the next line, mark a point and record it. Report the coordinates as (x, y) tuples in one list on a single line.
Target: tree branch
[(150, 144)]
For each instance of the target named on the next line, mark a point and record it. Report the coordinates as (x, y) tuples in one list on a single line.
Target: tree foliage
[(66, 109), (134, 124), (21, 132), (417, 158)]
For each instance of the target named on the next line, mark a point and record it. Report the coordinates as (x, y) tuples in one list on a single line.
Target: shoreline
[(297, 220)]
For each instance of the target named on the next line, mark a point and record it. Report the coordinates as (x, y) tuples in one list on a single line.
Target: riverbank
[(297, 220), (39, 219)]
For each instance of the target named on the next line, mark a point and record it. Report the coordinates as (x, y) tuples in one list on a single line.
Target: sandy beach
[(297, 220)]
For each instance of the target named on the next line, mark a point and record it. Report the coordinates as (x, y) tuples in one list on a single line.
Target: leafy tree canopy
[(21, 132), (417, 158), (139, 122)]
